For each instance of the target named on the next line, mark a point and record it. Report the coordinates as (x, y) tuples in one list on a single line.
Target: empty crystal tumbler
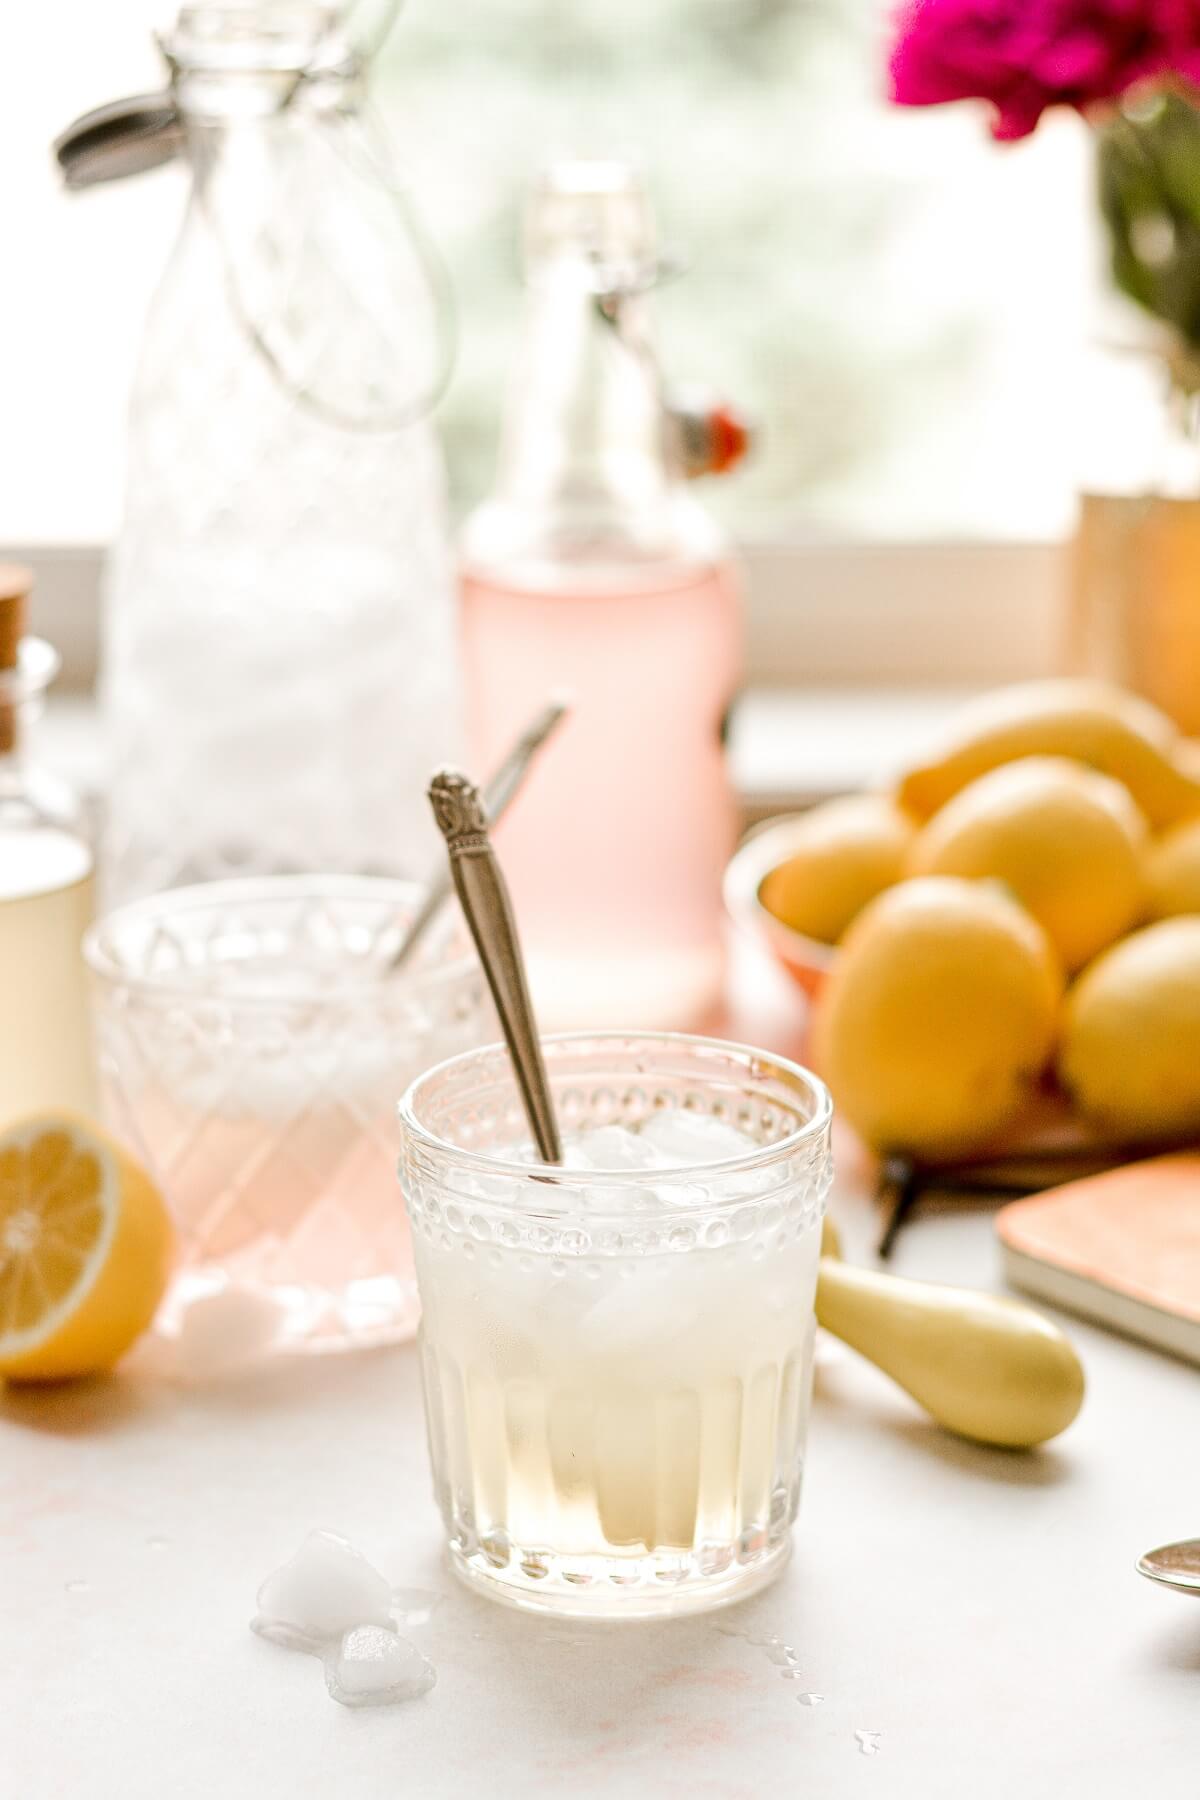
[(617, 1351), (251, 1047)]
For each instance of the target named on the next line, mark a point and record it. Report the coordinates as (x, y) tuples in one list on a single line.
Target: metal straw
[(483, 895), (500, 790)]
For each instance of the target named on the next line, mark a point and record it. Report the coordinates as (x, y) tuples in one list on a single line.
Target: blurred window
[(895, 298)]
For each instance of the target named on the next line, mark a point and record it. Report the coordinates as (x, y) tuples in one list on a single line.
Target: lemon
[(1068, 844), (1130, 1051), (845, 853), (1173, 871), (1089, 721), (85, 1247), (938, 1014)]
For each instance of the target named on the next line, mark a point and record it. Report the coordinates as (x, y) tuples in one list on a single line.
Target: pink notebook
[(1122, 1248)]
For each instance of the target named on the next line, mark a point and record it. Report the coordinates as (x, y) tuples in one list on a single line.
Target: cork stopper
[(16, 584)]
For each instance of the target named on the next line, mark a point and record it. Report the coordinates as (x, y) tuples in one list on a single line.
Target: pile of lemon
[(1022, 910)]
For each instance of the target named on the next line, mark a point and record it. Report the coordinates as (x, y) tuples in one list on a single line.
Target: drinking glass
[(617, 1365), (251, 1047)]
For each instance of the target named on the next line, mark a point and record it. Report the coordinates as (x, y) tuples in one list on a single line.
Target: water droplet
[(811, 1699), (413, 1606), (77, 1586), (497, 1547), (868, 1742), (713, 1560), (751, 1543)]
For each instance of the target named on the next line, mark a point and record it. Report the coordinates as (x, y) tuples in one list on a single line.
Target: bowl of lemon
[(1015, 924)]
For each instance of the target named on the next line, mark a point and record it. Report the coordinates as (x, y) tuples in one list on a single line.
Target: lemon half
[(85, 1250)]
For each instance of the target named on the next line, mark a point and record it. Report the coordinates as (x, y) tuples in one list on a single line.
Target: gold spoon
[(983, 1366), (483, 895), (503, 787)]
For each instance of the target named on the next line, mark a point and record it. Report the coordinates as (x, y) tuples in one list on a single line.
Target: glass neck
[(28, 795), (234, 62), (213, 100), (22, 695), (584, 428)]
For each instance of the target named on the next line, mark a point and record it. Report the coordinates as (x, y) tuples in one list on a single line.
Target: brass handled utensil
[(500, 790), (984, 1366), (483, 895)]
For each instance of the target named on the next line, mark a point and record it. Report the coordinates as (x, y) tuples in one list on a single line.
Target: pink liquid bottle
[(592, 570)]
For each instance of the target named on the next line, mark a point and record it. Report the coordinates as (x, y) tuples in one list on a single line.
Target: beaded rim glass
[(597, 1310), (810, 1113)]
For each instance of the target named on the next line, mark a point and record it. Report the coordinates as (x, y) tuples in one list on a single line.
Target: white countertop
[(978, 1609)]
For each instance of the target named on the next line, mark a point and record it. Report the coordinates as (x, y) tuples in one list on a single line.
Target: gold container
[(1134, 606)]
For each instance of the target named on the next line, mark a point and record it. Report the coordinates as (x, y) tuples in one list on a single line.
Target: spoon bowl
[(1173, 1565)]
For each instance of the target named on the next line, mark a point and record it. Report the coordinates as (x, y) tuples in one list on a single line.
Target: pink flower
[(1026, 55)]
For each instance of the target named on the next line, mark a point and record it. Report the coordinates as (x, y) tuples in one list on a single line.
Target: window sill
[(789, 747), (793, 747), (820, 614)]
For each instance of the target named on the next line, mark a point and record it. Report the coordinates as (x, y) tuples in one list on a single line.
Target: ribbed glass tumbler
[(617, 1365), (252, 1044)]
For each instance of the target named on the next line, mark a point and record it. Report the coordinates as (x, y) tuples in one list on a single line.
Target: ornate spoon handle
[(483, 895), (500, 790)]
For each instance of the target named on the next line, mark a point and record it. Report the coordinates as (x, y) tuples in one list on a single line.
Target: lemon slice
[(85, 1250)]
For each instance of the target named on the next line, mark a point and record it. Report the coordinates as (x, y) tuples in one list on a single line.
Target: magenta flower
[(1026, 55)]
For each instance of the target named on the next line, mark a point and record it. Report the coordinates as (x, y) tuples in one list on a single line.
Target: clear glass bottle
[(279, 672), (46, 1058), (593, 568)]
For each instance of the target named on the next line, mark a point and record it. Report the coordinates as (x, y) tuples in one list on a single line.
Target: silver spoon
[(500, 790), (483, 896), (1173, 1565)]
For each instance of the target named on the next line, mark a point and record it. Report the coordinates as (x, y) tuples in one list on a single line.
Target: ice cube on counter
[(374, 1666), (228, 1331), (325, 1590)]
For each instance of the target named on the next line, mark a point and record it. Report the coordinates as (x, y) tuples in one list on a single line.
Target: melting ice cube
[(628, 1317), (327, 1588), (414, 1605), (668, 1140), (374, 1666), (683, 1138), (611, 1147)]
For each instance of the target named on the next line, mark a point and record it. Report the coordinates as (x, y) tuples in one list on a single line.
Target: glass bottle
[(46, 1056), (279, 672), (592, 568)]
